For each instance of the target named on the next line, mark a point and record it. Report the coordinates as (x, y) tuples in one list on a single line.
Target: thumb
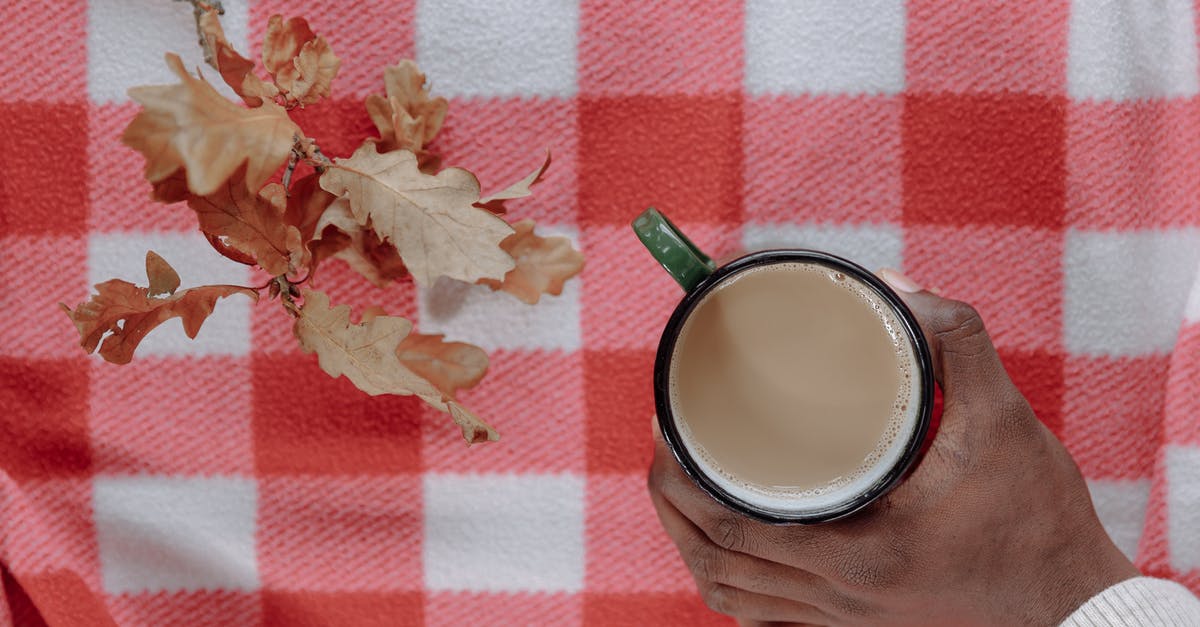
[(965, 362)]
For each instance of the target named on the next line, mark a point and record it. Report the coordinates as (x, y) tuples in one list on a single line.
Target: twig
[(199, 8), (293, 160)]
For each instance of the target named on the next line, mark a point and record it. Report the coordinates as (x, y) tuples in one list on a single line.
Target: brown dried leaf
[(340, 235), (543, 264), (430, 219), (253, 224), (450, 366), (237, 71), (189, 125), (407, 118), (305, 204), (520, 189), (366, 354), (163, 278), (302, 64), (120, 314)]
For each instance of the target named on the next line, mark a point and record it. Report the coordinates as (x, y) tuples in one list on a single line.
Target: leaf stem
[(199, 8)]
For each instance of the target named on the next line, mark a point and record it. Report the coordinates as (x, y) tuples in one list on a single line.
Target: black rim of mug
[(666, 420)]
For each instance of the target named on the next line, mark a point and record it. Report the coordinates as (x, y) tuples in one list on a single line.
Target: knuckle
[(730, 534), (960, 326), (706, 562), (720, 598)]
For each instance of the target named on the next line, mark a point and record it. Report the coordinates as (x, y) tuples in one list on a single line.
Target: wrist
[(1086, 569)]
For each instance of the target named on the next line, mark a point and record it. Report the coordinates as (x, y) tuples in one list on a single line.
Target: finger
[(807, 548), (965, 362), (710, 563), (746, 605)]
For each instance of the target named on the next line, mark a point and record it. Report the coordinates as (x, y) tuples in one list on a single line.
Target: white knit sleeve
[(1138, 602)]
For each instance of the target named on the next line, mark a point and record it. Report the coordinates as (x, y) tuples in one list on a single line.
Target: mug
[(698, 275)]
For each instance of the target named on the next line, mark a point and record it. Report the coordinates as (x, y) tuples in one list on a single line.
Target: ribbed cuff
[(1137, 602)]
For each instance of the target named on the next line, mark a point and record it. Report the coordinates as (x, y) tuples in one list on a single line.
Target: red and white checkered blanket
[(1039, 160)]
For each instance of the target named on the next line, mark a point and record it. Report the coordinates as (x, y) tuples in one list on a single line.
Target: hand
[(994, 525)]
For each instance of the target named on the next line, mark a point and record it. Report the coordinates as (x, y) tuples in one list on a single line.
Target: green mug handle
[(677, 254)]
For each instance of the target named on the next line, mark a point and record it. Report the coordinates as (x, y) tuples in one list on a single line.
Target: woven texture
[(1040, 160)]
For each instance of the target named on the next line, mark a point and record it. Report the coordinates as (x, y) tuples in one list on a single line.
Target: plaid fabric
[(1036, 159)]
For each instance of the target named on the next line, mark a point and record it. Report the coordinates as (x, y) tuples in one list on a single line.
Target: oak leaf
[(301, 63), (164, 280), (450, 366), (543, 264), (431, 220), (339, 235), (189, 125), (253, 224), (237, 71), (366, 354), (407, 118), (520, 189), (120, 314)]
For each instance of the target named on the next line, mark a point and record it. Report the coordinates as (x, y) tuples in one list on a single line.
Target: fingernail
[(899, 281)]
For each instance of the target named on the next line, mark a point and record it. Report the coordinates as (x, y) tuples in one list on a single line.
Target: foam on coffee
[(859, 362)]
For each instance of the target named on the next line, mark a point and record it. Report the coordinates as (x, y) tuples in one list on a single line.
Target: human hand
[(994, 526)]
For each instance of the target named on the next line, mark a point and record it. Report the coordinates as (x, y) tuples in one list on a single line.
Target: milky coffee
[(794, 386)]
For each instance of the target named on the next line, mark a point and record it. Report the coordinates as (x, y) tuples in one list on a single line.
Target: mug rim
[(666, 419)]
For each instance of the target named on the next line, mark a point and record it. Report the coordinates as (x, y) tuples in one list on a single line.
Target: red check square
[(1181, 420), (503, 140), (43, 418), (968, 263), (535, 400), (335, 429), (1110, 408), (1133, 165), (49, 531), (36, 199), (840, 161), (377, 33), (345, 533), (307, 608), (991, 47), (634, 610), (45, 57), (627, 549), (995, 159), (620, 407), (202, 608), (37, 272), (678, 153), (204, 427), (451, 609), (1038, 374), (680, 47)]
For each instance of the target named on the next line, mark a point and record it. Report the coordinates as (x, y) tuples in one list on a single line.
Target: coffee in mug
[(792, 385)]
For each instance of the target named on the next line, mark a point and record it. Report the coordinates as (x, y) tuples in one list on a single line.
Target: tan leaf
[(365, 353), (163, 278), (407, 118), (450, 366), (430, 219), (520, 189), (283, 42), (120, 314), (189, 125), (253, 224), (237, 71), (340, 235), (302, 64), (543, 264)]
